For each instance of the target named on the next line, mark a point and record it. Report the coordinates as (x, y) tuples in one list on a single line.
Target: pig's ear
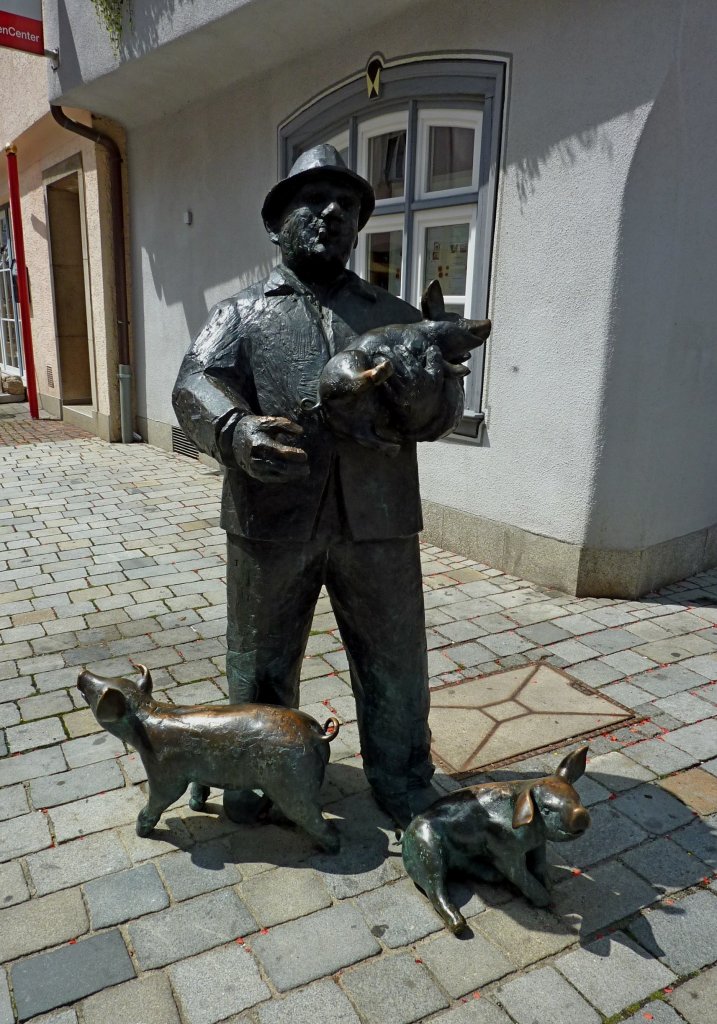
[(111, 706), (573, 766), (524, 810), (432, 304), (144, 680)]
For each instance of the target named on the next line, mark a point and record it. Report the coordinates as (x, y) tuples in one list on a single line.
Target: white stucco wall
[(591, 407)]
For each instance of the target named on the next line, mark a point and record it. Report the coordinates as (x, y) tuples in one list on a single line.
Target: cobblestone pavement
[(112, 555)]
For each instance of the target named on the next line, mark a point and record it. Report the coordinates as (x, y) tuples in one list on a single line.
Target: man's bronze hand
[(259, 451)]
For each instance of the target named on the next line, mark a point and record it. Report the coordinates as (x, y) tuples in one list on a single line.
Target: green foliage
[(111, 13)]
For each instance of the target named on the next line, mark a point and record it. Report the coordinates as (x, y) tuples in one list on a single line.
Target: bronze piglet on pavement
[(493, 831), (243, 746)]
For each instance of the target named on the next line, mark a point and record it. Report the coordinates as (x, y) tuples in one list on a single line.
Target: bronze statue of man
[(304, 507)]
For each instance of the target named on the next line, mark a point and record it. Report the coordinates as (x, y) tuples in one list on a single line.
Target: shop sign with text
[(21, 25)]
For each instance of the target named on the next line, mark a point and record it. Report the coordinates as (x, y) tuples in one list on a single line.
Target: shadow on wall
[(528, 169), (657, 477)]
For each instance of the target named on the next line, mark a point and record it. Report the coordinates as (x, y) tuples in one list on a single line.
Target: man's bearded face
[(319, 227)]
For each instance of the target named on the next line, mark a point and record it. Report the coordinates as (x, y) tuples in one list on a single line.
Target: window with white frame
[(429, 146)]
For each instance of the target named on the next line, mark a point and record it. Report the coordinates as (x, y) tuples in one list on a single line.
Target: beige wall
[(46, 150)]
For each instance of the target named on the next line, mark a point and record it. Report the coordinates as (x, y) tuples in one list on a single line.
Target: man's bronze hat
[(320, 162)]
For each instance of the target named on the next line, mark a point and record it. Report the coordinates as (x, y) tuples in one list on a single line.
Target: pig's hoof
[(144, 828), (458, 923), (330, 841)]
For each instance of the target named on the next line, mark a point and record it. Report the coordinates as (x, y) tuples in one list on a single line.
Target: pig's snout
[(579, 821), (89, 686)]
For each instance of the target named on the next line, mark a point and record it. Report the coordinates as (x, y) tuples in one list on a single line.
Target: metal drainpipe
[(116, 200)]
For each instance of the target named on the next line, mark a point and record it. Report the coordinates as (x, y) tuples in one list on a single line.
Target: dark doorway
[(67, 253)]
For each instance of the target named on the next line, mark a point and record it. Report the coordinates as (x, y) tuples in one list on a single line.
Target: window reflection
[(446, 257), (387, 164), (385, 251), (450, 158)]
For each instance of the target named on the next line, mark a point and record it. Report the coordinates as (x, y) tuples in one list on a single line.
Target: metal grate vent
[(50, 378), (183, 445)]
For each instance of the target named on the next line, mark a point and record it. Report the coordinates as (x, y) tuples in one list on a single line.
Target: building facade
[(551, 163), (67, 231)]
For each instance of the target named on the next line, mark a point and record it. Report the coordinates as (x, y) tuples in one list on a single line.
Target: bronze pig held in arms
[(349, 396), (495, 831), (279, 750)]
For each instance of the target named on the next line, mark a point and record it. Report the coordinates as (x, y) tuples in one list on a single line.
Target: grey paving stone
[(13, 802), (190, 928), (626, 694), (71, 863), (398, 914), (663, 682), (543, 995), (666, 864), (96, 813), (699, 740), (653, 809), (660, 756), (76, 784), (610, 832), (210, 987), (525, 933), (628, 662), (6, 1014), (9, 715), (322, 1001), (685, 707), (70, 973), (595, 673), (597, 898), (40, 923), (91, 749), (700, 839), (131, 765), (284, 894), (45, 704), (682, 935), (146, 1000), (614, 972), (393, 990), (590, 791), (124, 895), (31, 766), (61, 1017), (337, 938), (660, 1013), (697, 998), (205, 867), (705, 665), (362, 862), (171, 834), (13, 887), (15, 689), (463, 965), (617, 772), (477, 1011), (572, 651), (611, 641), (26, 834)]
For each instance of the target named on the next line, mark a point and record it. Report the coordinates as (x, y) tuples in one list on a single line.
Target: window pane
[(450, 158), (385, 251), (386, 164), (446, 257), (5, 301), (456, 307)]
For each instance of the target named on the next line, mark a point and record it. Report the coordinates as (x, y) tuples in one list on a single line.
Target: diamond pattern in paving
[(492, 720)]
